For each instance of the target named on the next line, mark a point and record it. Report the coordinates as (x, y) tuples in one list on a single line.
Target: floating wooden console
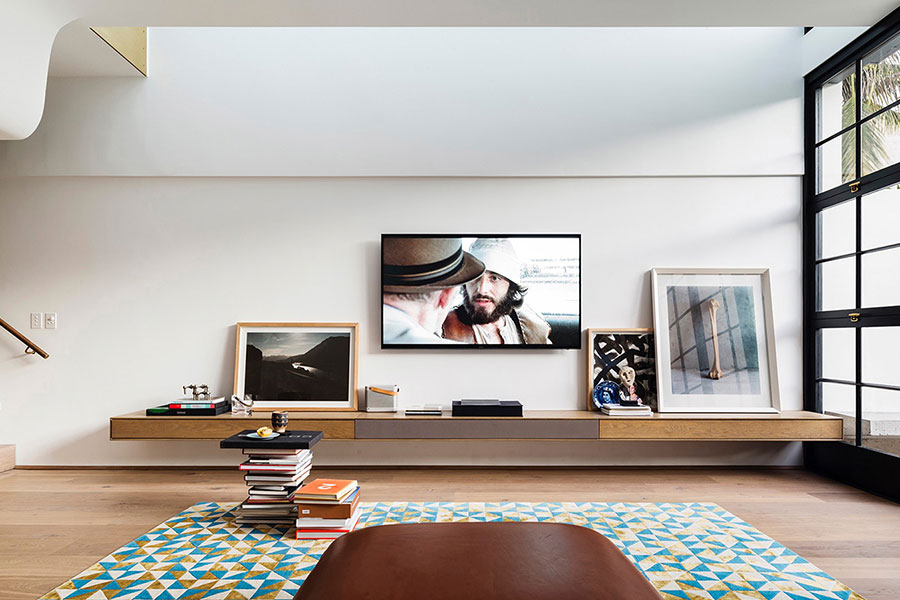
[(535, 425)]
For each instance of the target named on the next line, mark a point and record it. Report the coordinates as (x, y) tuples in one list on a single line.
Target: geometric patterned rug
[(689, 551)]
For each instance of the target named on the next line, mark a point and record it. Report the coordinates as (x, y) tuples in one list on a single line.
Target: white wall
[(27, 27), (149, 273), (823, 42), (413, 102)]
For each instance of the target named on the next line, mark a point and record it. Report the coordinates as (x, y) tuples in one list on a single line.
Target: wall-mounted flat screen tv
[(483, 291)]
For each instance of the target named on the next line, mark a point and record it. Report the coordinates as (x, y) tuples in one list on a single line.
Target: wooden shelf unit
[(535, 425)]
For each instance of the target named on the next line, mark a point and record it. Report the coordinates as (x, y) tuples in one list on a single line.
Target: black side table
[(293, 440)]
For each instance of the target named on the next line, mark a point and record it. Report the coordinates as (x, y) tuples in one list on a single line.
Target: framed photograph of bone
[(715, 341), (297, 366), (612, 350)]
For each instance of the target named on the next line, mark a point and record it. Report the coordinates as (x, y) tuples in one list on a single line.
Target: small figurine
[(200, 391), (627, 394)]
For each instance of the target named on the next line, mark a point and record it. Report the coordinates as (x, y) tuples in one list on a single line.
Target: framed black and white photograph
[(297, 366), (715, 341), (611, 350)]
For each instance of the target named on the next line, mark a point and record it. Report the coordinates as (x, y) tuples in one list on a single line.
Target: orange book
[(326, 489)]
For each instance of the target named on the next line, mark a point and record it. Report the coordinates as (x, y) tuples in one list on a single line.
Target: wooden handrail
[(31, 347)]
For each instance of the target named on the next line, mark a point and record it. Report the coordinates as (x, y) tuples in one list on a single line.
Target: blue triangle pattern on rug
[(686, 550)]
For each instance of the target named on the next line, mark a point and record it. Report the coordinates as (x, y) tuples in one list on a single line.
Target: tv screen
[(483, 291)]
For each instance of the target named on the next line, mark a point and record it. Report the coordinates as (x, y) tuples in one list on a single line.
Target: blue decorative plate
[(605, 392), (256, 436)]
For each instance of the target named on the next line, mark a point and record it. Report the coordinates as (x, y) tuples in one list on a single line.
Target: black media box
[(506, 408)]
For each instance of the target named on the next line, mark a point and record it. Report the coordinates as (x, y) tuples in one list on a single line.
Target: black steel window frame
[(863, 467)]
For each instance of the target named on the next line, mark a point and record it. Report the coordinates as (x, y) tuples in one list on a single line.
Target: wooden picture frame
[(628, 350), (734, 370), (297, 366)]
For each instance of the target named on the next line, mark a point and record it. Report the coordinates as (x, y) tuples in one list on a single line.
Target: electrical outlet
[(37, 320), (49, 320)]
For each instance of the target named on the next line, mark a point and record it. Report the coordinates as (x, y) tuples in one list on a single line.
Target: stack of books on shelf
[(326, 508), (273, 476), (187, 407), (617, 410)]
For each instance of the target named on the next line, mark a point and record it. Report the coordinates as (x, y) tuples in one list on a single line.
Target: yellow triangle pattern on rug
[(689, 551)]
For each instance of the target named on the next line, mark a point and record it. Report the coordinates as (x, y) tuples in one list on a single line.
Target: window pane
[(881, 278), (881, 77), (881, 218), (880, 347), (881, 420), (839, 399), (836, 162), (881, 141), (836, 104), (838, 352), (837, 284), (837, 230)]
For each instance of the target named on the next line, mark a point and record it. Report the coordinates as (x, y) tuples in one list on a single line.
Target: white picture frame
[(683, 302), (279, 376)]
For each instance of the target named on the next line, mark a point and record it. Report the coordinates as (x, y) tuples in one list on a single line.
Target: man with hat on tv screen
[(421, 278), (493, 310)]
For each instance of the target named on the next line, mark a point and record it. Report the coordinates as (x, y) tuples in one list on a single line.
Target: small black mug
[(279, 420)]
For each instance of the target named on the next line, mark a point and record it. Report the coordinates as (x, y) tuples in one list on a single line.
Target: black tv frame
[(457, 347)]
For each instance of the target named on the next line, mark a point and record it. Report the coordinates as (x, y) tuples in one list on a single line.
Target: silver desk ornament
[(200, 391)]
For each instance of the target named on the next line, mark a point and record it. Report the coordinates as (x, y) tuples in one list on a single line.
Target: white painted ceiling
[(473, 13)]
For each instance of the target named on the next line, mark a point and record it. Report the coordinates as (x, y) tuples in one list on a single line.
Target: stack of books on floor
[(327, 508), (617, 410), (273, 476)]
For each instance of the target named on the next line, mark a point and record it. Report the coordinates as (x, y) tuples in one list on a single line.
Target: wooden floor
[(54, 523)]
